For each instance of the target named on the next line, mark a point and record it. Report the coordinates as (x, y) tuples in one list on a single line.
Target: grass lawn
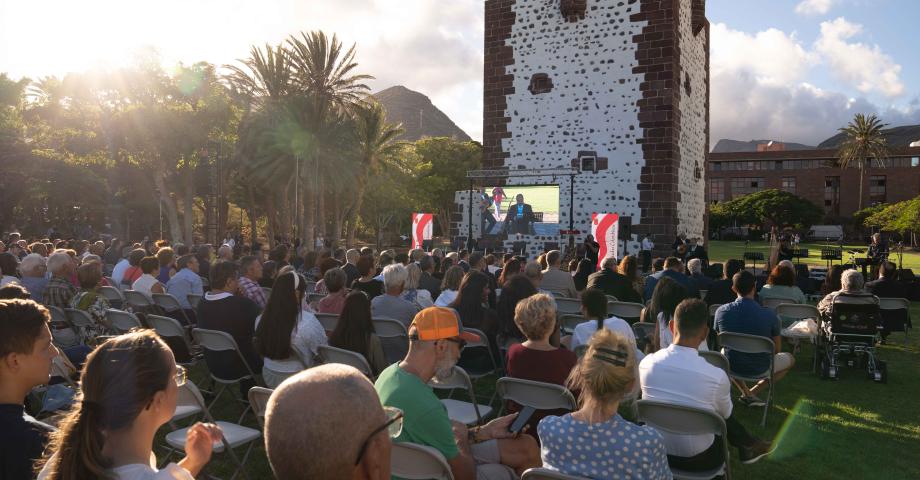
[(849, 428), (720, 251)]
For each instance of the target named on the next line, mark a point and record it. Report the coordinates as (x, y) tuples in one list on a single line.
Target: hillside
[(897, 137), (727, 145), (419, 117)]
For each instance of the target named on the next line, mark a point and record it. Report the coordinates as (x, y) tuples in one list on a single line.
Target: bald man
[(341, 435)]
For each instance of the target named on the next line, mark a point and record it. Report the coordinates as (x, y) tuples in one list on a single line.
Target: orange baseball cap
[(438, 323)]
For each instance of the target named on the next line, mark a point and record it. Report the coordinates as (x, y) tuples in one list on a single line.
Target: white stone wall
[(592, 105), (692, 135)]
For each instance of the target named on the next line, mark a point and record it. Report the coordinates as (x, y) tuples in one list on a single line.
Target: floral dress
[(91, 302)]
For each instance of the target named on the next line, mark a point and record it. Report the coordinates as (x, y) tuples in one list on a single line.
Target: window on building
[(915, 162), (716, 166), (746, 185), (832, 195), (716, 190), (877, 189), (789, 184)]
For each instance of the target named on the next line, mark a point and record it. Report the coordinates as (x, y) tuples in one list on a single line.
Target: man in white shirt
[(645, 253), (679, 375)]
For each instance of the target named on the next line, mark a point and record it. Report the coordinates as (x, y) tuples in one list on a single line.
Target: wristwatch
[(472, 434)]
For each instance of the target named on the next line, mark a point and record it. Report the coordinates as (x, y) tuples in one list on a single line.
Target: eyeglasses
[(394, 426), (181, 375), (458, 341)]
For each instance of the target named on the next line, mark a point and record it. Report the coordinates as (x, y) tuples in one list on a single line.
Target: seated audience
[(221, 309), (9, 267), (781, 285), (539, 358), (679, 375), (59, 290), (391, 304), (606, 445), (851, 291), (326, 264), (269, 273), (511, 268), (14, 291), (355, 331), (450, 285), (534, 272), (129, 389), (91, 301), (470, 304), (554, 279), (629, 268), (310, 443), (351, 266), (148, 284), (33, 278), (673, 269), (515, 289), (26, 353), (133, 272), (428, 281), (887, 285), (695, 269), (436, 338), (661, 311), (186, 282), (203, 255), (832, 280), (413, 293), (250, 274), (366, 282), (720, 291), (745, 315), (287, 337), (167, 258), (334, 280), (610, 281), (594, 309)]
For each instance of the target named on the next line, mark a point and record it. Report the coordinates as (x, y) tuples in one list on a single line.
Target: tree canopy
[(772, 206)]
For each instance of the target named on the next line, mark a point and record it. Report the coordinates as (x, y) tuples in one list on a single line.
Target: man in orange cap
[(436, 338)]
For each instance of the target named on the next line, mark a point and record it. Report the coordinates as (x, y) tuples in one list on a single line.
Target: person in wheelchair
[(852, 291)]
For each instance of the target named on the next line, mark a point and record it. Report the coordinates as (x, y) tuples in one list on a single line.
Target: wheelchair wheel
[(881, 375)]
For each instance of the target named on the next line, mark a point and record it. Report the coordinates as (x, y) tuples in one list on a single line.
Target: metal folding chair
[(716, 359), (122, 321), (416, 462), (546, 474), (681, 420), (393, 337), (567, 306), (628, 311), (136, 300), (772, 303), (752, 344), (193, 300), (328, 321), (258, 399), (569, 321), (468, 413), (539, 395), (113, 295), (338, 355), (176, 337), (895, 311), (169, 303), (217, 342)]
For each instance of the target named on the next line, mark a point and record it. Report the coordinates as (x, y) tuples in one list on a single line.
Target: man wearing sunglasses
[(327, 423), (436, 338)]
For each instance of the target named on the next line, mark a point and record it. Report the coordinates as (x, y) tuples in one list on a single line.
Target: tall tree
[(864, 143)]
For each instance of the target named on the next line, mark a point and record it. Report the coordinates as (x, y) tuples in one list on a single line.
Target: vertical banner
[(605, 228), (421, 228)]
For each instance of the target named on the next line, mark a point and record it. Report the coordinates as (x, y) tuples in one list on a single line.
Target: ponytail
[(78, 446)]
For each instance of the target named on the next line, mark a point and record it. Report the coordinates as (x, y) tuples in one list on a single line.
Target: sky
[(792, 70)]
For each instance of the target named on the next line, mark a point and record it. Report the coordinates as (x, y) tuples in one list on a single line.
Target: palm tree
[(864, 142), (376, 142)]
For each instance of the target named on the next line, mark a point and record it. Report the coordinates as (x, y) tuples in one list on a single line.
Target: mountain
[(897, 137), (419, 117), (727, 145)]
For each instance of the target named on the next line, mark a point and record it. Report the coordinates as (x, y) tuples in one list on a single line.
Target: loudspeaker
[(520, 248), (547, 246), (625, 228)]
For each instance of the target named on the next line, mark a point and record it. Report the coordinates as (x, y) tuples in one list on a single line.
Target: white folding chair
[(136, 300), (258, 399), (569, 321), (186, 406), (716, 359), (193, 300), (789, 313), (176, 336), (539, 395), (546, 474), (895, 310), (217, 341), (681, 420), (63, 332), (393, 337), (233, 435), (626, 310), (122, 321), (752, 344), (338, 355), (169, 303), (468, 413), (483, 344), (611, 298), (568, 306), (772, 303), (418, 462), (113, 295), (328, 321)]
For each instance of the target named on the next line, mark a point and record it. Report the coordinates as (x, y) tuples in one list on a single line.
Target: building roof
[(800, 154)]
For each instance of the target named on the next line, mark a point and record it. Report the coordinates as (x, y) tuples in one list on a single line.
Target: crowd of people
[(445, 300)]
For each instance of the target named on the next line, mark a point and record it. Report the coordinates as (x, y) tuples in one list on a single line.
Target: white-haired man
[(351, 266), (695, 268), (33, 270), (391, 304), (59, 290), (852, 291)]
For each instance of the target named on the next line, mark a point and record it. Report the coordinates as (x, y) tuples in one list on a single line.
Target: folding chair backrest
[(136, 299), (568, 306), (681, 420), (716, 359), (112, 294), (772, 303), (121, 320), (193, 300), (387, 327), (569, 321), (267, 292), (415, 462), (172, 332), (79, 318), (167, 302), (893, 303), (611, 298), (328, 321), (338, 355), (539, 395), (457, 379), (798, 311), (193, 394), (57, 314), (625, 310), (546, 474), (258, 400), (393, 338), (217, 341), (558, 294), (713, 308), (855, 319), (744, 343)]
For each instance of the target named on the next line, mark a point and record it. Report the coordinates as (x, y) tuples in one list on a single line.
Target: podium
[(754, 257)]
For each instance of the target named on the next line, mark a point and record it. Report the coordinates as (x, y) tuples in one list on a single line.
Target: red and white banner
[(605, 228), (421, 228)]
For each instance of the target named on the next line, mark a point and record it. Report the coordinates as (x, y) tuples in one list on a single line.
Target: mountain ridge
[(419, 117)]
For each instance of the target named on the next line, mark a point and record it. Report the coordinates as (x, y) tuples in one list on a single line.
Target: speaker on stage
[(547, 246), (520, 248), (625, 228)]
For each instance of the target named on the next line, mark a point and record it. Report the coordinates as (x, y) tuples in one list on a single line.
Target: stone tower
[(618, 88)]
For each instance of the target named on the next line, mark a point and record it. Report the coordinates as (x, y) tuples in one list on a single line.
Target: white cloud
[(771, 56), (814, 7), (863, 66)]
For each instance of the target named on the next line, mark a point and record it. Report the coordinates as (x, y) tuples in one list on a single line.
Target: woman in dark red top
[(539, 358)]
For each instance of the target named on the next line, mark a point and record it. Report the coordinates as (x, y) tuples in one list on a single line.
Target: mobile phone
[(523, 417)]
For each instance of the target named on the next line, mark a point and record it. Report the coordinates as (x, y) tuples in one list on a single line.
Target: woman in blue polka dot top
[(594, 441)]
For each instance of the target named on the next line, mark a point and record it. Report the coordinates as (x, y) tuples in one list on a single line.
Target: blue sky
[(792, 70)]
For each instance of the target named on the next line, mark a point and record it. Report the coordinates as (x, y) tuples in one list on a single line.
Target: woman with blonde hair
[(450, 286), (607, 446), (412, 294)]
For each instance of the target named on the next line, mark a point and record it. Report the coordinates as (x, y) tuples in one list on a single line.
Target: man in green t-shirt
[(436, 338)]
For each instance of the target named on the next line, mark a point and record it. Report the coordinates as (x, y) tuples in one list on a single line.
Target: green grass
[(720, 251)]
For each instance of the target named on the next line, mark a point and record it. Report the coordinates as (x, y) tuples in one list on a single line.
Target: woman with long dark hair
[(582, 271), (129, 389), (511, 268), (469, 304), (287, 337), (667, 295), (515, 289), (355, 331)]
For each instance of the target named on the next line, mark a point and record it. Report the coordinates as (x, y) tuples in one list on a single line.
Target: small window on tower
[(687, 87), (540, 83), (573, 10)]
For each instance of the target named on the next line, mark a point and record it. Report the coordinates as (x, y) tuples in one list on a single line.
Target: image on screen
[(541, 218)]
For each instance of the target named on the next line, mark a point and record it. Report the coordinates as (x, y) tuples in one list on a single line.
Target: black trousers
[(645, 257), (710, 458), (487, 218)]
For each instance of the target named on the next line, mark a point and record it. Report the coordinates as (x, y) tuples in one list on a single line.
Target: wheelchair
[(849, 338)]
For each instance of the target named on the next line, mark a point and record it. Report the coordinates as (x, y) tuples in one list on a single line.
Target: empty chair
[(175, 336), (681, 420), (193, 300), (113, 295), (895, 314), (186, 406), (122, 321), (468, 413), (258, 399), (136, 300), (393, 337), (338, 355), (477, 359), (631, 312), (413, 461), (327, 320), (568, 306)]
